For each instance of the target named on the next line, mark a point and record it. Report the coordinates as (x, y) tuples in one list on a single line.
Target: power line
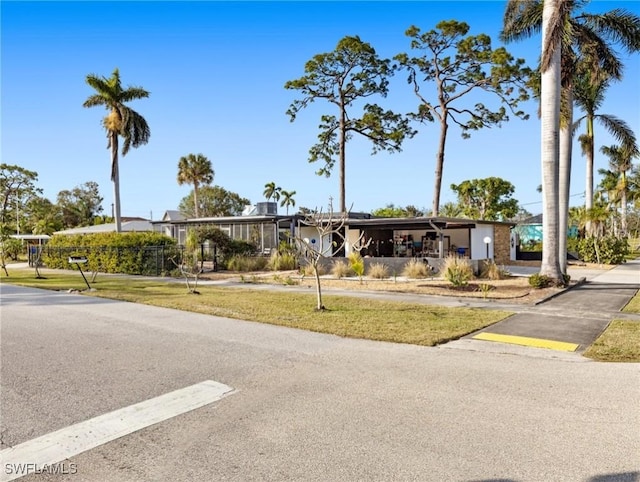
[(540, 202)]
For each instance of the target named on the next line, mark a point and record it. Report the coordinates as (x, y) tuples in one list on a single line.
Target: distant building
[(128, 225)]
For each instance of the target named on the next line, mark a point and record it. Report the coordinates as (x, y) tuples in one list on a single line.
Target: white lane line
[(55, 447)]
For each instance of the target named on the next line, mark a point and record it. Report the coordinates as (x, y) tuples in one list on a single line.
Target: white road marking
[(55, 447)]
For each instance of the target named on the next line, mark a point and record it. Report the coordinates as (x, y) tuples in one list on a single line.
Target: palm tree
[(287, 199), (589, 96), (620, 163), (586, 47), (195, 169), (121, 121), (271, 191), (550, 83)]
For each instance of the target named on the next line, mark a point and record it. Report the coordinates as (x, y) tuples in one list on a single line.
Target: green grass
[(346, 316), (620, 342), (634, 305)]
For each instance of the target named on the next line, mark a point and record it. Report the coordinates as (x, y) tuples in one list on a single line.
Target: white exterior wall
[(324, 244), (478, 247), (352, 236)]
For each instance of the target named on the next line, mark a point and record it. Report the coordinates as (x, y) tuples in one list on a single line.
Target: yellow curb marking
[(526, 341)]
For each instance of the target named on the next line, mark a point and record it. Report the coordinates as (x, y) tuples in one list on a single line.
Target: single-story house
[(425, 237)]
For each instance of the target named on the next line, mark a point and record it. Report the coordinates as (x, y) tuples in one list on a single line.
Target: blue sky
[(216, 73)]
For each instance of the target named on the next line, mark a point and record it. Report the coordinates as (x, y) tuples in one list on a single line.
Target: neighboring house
[(426, 237), (168, 225), (530, 232), (259, 225), (128, 225)]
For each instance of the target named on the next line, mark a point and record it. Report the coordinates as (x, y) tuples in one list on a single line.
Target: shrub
[(11, 248), (281, 261), (457, 271), (307, 270), (357, 264), (539, 281), (415, 269), (494, 272), (246, 263), (340, 269), (485, 288), (607, 250), (378, 271)]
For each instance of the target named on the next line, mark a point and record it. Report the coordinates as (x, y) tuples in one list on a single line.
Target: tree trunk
[(115, 177), (564, 181), (195, 199), (316, 272), (550, 151), (343, 143), (623, 206), (435, 208), (588, 192)]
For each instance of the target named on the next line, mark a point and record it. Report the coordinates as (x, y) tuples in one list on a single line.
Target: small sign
[(77, 259)]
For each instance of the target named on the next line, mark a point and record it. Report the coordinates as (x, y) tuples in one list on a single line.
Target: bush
[(11, 248), (246, 263), (539, 281), (307, 270), (340, 269), (282, 261), (128, 253), (357, 264), (494, 272), (378, 271), (457, 271), (610, 250), (416, 269)]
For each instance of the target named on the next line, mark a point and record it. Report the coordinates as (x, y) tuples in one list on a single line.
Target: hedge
[(128, 253)]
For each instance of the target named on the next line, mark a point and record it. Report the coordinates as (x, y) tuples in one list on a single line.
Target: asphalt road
[(306, 406)]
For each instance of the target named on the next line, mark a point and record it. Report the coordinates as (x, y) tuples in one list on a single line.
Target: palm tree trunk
[(564, 181), (588, 192), (623, 208), (550, 151), (115, 177), (195, 199), (435, 208)]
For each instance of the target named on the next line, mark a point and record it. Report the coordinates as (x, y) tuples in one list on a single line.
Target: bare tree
[(331, 238)]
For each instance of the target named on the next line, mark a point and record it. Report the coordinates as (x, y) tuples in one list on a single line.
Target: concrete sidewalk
[(569, 322)]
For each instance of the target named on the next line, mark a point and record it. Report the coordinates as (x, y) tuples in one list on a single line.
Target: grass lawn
[(634, 305), (619, 343), (346, 316)]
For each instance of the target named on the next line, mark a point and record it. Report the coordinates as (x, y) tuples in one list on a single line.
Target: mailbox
[(77, 259)]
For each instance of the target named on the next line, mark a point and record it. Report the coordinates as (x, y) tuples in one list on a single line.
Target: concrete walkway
[(569, 322)]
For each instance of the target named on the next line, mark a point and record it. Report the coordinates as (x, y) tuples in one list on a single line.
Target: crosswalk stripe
[(46, 451)]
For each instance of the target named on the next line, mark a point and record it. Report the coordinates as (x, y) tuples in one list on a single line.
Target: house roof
[(355, 219), (532, 220), (127, 226), (420, 222), (173, 215), (229, 219)]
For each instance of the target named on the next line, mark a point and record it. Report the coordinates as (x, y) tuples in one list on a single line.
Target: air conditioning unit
[(266, 208)]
